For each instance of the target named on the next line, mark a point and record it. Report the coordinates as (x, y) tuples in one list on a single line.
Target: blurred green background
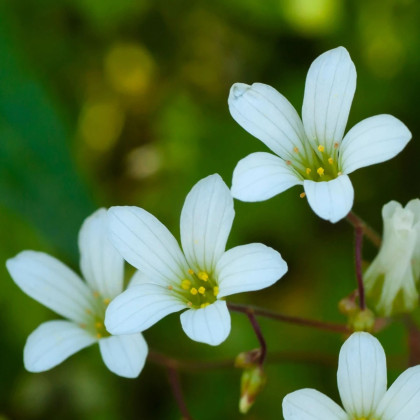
[(106, 102)]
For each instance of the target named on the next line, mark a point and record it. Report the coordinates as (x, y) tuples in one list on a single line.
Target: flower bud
[(392, 277), (252, 382), (248, 359)]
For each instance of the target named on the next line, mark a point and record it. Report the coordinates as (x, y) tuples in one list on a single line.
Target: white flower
[(313, 153), (362, 382), (53, 284), (196, 279), (393, 275)]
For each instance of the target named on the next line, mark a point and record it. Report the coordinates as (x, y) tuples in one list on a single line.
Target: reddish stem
[(327, 326), (259, 334), (175, 383)]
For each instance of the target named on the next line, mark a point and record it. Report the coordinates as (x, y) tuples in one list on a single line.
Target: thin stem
[(327, 326), (357, 222), (259, 334), (175, 383), (358, 259)]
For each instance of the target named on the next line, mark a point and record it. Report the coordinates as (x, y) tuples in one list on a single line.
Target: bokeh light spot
[(100, 124), (129, 68), (313, 17)]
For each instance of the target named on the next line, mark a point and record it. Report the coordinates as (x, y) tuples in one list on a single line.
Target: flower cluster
[(196, 276)]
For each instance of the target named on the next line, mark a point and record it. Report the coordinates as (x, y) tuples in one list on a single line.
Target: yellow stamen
[(288, 162), (321, 148), (189, 304), (190, 271), (98, 335), (106, 301), (202, 275), (204, 305), (320, 171), (302, 195), (170, 287), (336, 145), (296, 150), (82, 325), (95, 294), (330, 160), (340, 173), (88, 311), (215, 290), (308, 170), (201, 290), (185, 284), (99, 324), (193, 291)]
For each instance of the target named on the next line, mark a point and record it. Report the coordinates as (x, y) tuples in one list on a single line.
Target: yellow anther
[(302, 195), (106, 301), (202, 275), (330, 160), (82, 325), (288, 162), (308, 170), (185, 284), (201, 290), (189, 304), (204, 305), (320, 171), (99, 324), (98, 335), (340, 173), (321, 148), (190, 271), (215, 290), (296, 150), (170, 287), (336, 145), (88, 311), (193, 291), (95, 294)]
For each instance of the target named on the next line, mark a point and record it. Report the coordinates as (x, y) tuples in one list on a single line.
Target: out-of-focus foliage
[(107, 102)]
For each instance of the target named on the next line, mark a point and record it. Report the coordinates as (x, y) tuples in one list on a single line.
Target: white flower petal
[(329, 91), (139, 307), (402, 400), (261, 176), (248, 267), (206, 220), (146, 244), (330, 200), (361, 374), (124, 355), (51, 283), (210, 325), (52, 343), (373, 140), (101, 264), (309, 404), (267, 115)]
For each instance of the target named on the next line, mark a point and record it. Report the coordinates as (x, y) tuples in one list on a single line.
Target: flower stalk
[(359, 223), (320, 325)]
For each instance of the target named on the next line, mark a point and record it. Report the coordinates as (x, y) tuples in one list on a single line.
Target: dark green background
[(106, 102)]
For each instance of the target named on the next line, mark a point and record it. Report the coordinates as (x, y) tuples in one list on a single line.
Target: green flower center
[(198, 289), (315, 164), (95, 317)]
